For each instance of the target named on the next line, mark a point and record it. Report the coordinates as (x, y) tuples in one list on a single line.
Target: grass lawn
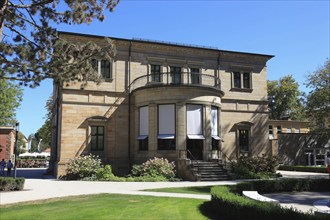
[(204, 190), (109, 206)]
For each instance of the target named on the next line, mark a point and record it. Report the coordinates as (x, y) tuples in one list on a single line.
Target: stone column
[(181, 130), (153, 130)]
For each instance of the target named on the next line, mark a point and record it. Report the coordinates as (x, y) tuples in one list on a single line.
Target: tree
[(318, 99), (45, 132), (10, 98), (31, 50), (285, 99)]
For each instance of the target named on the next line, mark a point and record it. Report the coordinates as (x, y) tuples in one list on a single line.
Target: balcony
[(176, 79)]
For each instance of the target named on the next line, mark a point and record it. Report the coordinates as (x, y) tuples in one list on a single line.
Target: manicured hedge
[(303, 168), (11, 184), (229, 204), (285, 185)]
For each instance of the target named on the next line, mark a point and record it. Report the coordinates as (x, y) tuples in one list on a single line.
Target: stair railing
[(194, 160)]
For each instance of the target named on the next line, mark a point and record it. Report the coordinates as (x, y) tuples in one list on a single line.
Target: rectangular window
[(279, 130), (271, 130), (155, 73), (143, 127), (194, 120), (297, 130), (166, 127), (106, 69), (246, 80), (242, 80), (97, 138), (243, 139), (103, 68), (175, 75), (195, 77), (288, 130), (237, 80)]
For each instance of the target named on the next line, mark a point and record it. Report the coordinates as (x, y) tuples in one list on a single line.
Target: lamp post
[(16, 147)]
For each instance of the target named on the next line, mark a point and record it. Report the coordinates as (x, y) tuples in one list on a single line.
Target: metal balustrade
[(183, 78)]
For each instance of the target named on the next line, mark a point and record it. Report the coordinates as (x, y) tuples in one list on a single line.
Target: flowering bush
[(156, 167), (83, 167), (254, 167)]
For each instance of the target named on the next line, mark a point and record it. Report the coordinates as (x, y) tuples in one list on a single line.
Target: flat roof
[(163, 43)]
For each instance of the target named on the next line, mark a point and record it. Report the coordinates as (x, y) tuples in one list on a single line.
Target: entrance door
[(195, 146)]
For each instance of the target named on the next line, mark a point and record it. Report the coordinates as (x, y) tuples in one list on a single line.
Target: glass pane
[(94, 63), (100, 143), (246, 80), (100, 130), (155, 73), (105, 68), (175, 75), (237, 80), (93, 142), (93, 130), (194, 75)]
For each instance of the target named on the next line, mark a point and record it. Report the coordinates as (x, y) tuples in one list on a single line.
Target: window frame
[(195, 76), (174, 75), (152, 74), (166, 143), (92, 149), (239, 82), (143, 139), (98, 66)]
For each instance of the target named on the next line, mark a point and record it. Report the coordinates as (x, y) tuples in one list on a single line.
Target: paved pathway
[(39, 186)]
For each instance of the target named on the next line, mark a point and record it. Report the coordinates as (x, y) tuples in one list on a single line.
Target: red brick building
[(7, 142)]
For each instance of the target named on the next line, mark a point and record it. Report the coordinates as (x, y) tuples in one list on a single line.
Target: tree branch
[(31, 5)]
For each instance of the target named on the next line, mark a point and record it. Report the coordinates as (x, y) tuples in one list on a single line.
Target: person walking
[(9, 166), (327, 160), (2, 167)]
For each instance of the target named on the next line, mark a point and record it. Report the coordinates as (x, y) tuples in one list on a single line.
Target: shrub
[(83, 167), (10, 184), (157, 167), (304, 168), (230, 205), (254, 167)]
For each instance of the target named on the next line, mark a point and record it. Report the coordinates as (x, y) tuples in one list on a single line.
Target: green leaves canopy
[(318, 99), (284, 99), (10, 98), (30, 48)]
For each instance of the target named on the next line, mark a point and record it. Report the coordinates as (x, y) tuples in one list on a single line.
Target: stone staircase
[(209, 171)]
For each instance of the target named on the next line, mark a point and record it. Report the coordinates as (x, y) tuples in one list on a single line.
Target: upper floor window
[(103, 68), (97, 138), (155, 73), (194, 76), (279, 130), (242, 80), (175, 76)]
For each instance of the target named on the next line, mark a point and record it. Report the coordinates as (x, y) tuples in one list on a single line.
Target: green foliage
[(156, 167), (254, 167), (284, 185), (304, 168), (31, 49), (229, 204), (11, 184), (285, 99), (83, 167), (45, 132), (318, 99), (10, 98)]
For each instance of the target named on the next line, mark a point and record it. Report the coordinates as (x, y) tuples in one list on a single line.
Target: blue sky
[(296, 32)]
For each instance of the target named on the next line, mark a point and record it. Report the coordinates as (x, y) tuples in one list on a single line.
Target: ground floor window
[(143, 144), (215, 144), (195, 147), (243, 139), (166, 144), (97, 138)]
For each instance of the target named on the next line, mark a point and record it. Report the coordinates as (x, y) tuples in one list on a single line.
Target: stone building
[(162, 99)]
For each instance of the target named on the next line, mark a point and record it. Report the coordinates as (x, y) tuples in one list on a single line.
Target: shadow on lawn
[(207, 210)]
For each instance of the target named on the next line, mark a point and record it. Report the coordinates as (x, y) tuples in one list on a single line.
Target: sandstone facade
[(227, 88)]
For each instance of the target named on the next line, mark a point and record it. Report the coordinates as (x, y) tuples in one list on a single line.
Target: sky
[(295, 32)]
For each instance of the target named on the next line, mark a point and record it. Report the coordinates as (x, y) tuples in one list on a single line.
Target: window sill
[(241, 90)]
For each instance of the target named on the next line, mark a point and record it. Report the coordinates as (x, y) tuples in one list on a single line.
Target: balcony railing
[(183, 78)]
